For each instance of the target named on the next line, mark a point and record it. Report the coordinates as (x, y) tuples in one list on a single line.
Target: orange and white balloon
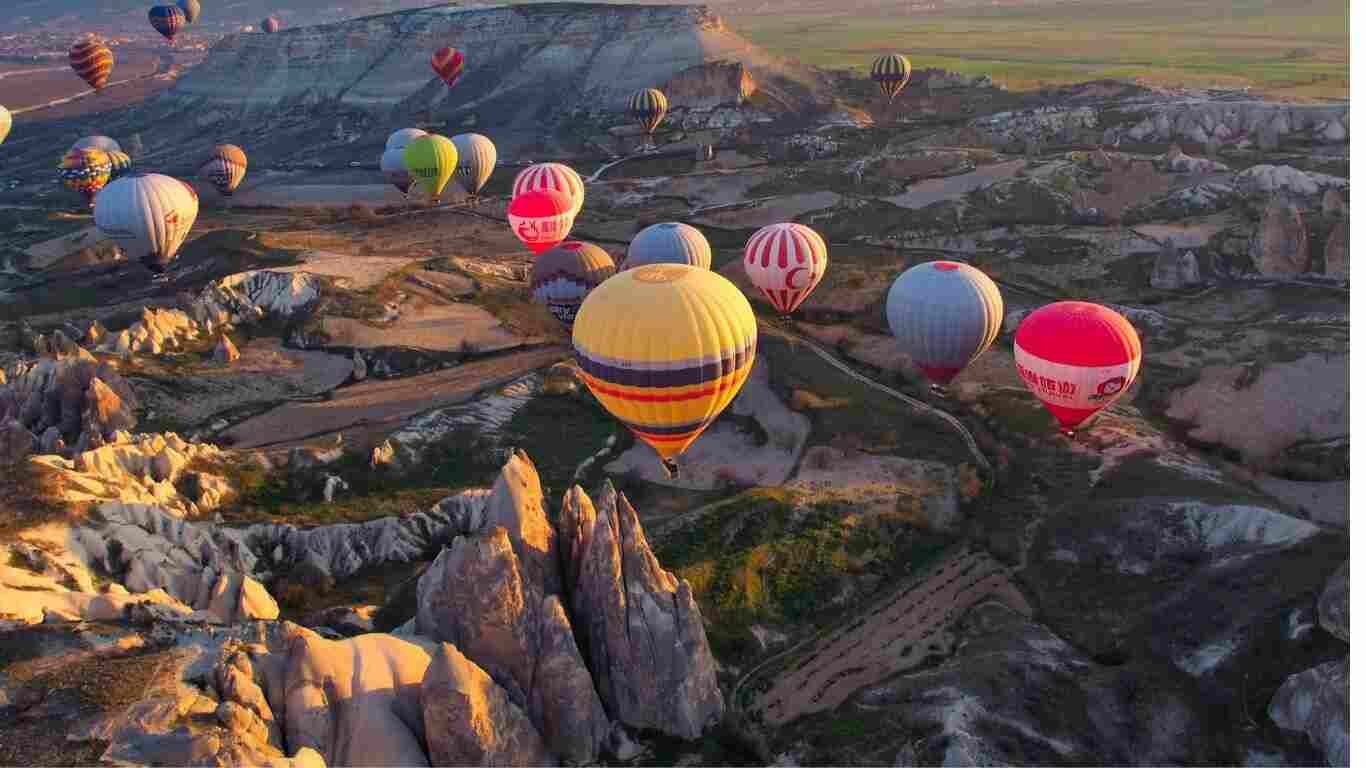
[(785, 262), (1077, 358)]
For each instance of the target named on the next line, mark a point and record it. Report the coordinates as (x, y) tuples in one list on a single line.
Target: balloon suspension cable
[(939, 389), (670, 468)]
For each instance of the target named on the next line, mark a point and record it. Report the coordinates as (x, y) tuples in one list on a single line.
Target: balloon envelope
[(225, 168), (448, 64), (85, 171), (564, 275), (148, 215), (395, 172), (665, 348), (648, 106), (270, 25), (891, 73), (1077, 358), (167, 19), (403, 137), (92, 61), (191, 9), (556, 176), (97, 142), (6, 122), (785, 262), (431, 161), (946, 314), (541, 218), (478, 157), (120, 164), (668, 243)]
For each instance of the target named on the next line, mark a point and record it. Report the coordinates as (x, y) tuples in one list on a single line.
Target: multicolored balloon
[(665, 348), (668, 243), (431, 162), (270, 25), (946, 314), (148, 215), (1077, 358), (541, 218), (97, 142), (225, 168), (564, 275), (448, 64), (120, 164), (191, 9), (85, 171), (891, 73), (6, 122), (167, 19), (92, 61), (785, 262), (648, 107), (556, 176), (478, 157)]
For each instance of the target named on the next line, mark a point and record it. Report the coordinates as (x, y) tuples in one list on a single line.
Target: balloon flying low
[(103, 143), (946, 314), (665, 348), (564, 275), (92, 61), (148, 215), (391, 161), (668, 243), (556, 176), (431, 162), (120, 164), (541, 218), (648, 106), (785, 262), (1077, 358), (478, 157), (85, 171)]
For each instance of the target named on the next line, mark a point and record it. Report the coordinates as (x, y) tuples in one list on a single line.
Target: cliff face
[(524, 62)]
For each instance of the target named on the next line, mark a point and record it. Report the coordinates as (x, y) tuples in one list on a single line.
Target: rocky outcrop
[(469, 719), (247, 297), (225, 352), (1182, 203), (1174, 270), (1315, 702), (1261, 183), (644, 632), (1280, 246), (1041, 127), (1245, 124), (1337, 257), (710, 85), (1333, 604), (16, 443), (85, 401), (144, 468), (158, 331)]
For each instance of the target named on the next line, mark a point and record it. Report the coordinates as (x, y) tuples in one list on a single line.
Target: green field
[(1275, 47)]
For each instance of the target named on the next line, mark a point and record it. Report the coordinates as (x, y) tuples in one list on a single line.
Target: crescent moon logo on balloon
[(798, 271)]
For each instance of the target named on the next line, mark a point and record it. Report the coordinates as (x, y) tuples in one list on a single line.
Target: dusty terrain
[(340, 444)]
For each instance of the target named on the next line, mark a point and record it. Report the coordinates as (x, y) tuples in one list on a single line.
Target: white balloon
[(148, 215), (403, 137), (477, 157)]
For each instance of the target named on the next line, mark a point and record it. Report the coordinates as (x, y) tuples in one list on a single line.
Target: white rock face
[(250, 296), (143, 468), (1267, 180)]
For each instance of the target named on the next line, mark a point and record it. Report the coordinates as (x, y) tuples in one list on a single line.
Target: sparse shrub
[(823, 457)]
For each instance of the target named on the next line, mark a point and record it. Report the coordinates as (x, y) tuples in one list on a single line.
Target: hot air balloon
[(431, 161), (565, 274), (6, 122), (946, 314), (541, 218), (1077, 358), (648, 106), (225, 168), (97, 142), (891, 73), (403, 137), (785, 262), (448, 64), (191, 9), (270, 25), (120, 164), (669, 243), (478, 157), (85, 171), (92, 61), (665, 348), (167, 19), (555, 176), (149, 215)]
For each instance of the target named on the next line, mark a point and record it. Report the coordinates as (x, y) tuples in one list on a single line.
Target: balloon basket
[(938, 390), (670, 468)]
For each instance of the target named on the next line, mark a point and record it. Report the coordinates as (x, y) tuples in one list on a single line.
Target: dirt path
[(383, 405), (892, 637)]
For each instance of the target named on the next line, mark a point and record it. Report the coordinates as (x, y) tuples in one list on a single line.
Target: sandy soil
[(357, 272), (878, 483), (890, 638), (932, 191), (447, 328), (327, 195), (1191, 233), (780, 209), (379, 406), (48, 252)]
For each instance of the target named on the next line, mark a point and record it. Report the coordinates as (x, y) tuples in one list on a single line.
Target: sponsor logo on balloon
[(564, 312), (1110, 387), (796, 284), (1055, 387)]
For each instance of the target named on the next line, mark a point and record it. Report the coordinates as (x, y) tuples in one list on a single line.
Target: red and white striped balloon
[(554, 176), (785, 262), (541, 218), (1077, 358)]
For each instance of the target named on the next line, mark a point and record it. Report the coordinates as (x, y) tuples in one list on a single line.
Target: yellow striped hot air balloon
[(431, 161), (665, 348), (891, 73), (648, 106)]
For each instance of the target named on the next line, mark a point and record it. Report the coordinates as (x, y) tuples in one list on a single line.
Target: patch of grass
[(369, 586), (1020, 412), (27, 498), (513, 307), (558, 433)]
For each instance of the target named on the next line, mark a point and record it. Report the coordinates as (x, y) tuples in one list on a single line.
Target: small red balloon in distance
[(541, 218), (1077, 358), (448, 64)]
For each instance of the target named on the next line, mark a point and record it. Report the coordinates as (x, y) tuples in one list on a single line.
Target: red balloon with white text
[(1077, 358), (541, 218)]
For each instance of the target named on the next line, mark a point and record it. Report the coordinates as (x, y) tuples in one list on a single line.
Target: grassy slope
[(1296, 49)]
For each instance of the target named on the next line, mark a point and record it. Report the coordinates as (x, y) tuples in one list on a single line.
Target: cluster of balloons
[(170, 18), (414, 158)]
